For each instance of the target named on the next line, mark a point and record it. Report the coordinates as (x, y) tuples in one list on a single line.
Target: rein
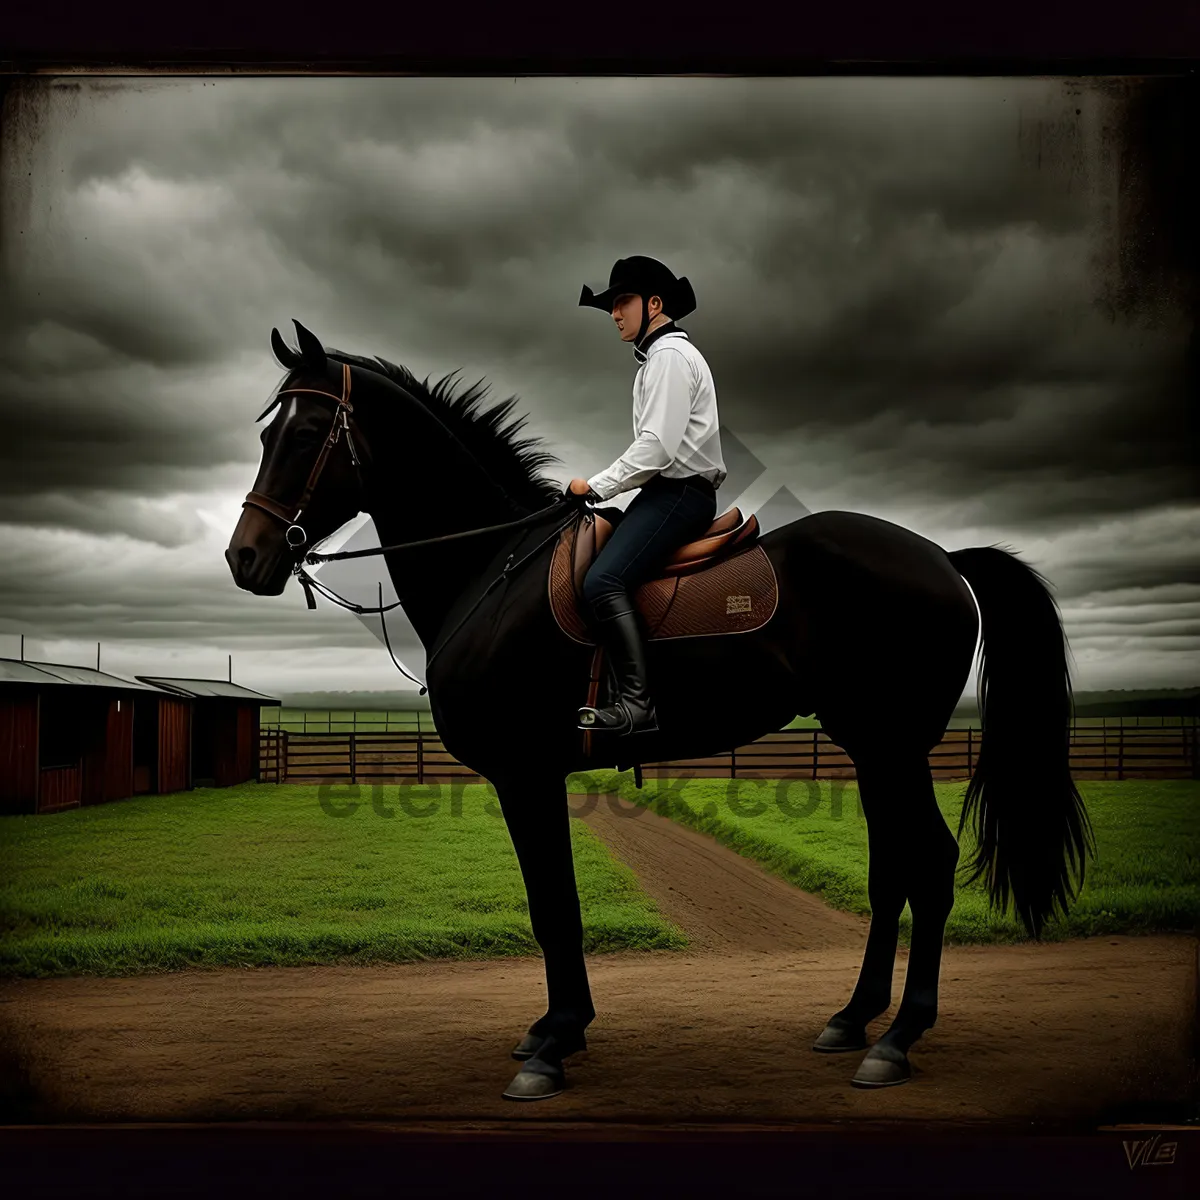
[(291, 516)]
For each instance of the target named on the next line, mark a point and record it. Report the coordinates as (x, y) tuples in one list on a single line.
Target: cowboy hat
[(645, 277)]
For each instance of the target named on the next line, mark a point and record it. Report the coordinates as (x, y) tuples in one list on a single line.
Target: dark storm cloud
[(1136, 555), (898, 285), (118, 430), (858, 245), (102, 512)]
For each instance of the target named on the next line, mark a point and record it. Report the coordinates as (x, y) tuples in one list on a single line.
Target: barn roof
[(40, 673), (206, 688)]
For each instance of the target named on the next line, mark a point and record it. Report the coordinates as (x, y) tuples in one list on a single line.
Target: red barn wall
[(234, 725), (225, 733), (247, 741), (118, 766), (145, 743), (18, 753), (60, 788), (174, 744), (93, 722)]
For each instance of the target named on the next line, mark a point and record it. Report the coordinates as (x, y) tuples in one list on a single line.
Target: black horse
[(875, 632)]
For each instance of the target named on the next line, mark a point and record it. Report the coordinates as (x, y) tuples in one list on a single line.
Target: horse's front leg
[(535, 810)]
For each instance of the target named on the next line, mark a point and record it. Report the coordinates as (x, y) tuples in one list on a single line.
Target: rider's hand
[(579, 492)]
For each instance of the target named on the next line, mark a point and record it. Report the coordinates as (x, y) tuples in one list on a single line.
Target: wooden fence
[(1124, 752)]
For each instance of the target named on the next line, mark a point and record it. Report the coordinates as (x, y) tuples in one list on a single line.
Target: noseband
[(294, 534)]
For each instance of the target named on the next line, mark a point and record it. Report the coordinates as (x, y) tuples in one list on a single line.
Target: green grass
[(262, 874), (1145, 876)]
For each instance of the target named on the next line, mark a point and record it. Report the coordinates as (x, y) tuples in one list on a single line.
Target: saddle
[(721, 583)]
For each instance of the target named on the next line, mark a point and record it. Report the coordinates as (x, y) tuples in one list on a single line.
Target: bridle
[(290, 517), (341, 422)]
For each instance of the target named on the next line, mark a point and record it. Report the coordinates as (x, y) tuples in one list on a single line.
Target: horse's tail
[(1031, 829)]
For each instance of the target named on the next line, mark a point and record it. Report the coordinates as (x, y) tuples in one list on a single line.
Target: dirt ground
[(1069, 1032)]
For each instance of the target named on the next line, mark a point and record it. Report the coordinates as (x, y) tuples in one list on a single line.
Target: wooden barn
[(225, 727), (71, 736)]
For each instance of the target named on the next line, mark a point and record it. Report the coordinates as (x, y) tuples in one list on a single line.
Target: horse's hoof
[(537, 1080), (838, 1037), (883, 1067), (528, 1046)]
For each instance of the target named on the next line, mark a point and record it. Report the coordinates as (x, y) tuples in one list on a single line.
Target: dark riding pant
[(664, 515)]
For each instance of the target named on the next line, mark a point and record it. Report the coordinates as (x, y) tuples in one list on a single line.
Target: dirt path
[(723, 902), (723, 1031)]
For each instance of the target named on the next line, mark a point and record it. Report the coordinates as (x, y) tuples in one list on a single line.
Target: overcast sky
[(899, 286)]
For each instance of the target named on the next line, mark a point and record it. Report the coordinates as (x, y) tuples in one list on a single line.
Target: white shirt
[(675, 423)]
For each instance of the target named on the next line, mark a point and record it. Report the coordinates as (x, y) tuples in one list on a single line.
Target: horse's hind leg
[(924, 853), (847, 1028)]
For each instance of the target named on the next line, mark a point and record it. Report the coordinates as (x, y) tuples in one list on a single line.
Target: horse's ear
[(310, 347), (285, 356)]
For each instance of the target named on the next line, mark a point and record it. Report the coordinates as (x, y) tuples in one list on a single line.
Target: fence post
[(1121, 751), (814, 753), (970, 731), (283, 759), (733, 763), (420, 757), (353, 762)]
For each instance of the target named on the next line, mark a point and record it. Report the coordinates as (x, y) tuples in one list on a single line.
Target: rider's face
[(627, 313)]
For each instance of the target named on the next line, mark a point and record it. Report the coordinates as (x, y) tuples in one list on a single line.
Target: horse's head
[(309, 480)]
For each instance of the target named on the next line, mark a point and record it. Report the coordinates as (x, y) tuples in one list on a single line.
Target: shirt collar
[(640, 351)]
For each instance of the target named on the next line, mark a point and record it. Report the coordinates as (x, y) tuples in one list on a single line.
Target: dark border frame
[(1021, 37), (917, 1158)]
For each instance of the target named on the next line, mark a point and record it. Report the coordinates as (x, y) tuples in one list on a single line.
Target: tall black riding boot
[(615, 622)]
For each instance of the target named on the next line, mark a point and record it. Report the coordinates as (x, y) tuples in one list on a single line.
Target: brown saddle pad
[(735, 591)]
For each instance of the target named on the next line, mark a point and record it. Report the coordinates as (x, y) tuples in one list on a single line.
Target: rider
[(676, 461)]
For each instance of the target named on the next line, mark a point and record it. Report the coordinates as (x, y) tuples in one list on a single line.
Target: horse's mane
[(514, 465)]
